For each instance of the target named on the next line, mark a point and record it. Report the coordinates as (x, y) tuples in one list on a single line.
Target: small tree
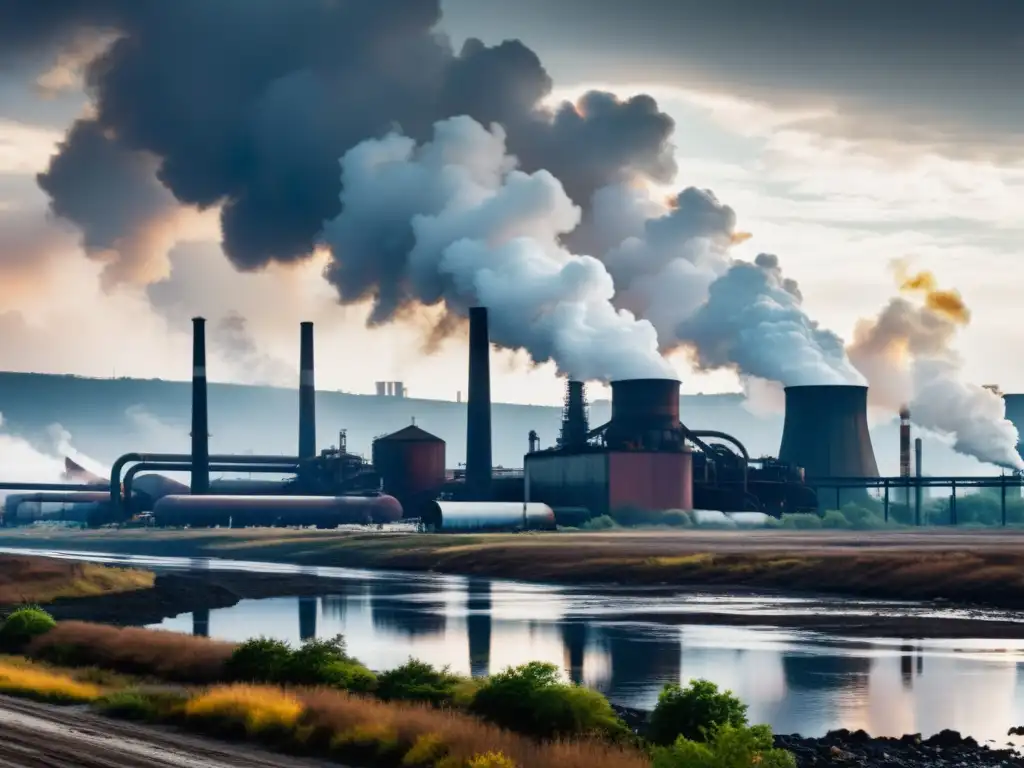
[(24, 624), (694, 712)]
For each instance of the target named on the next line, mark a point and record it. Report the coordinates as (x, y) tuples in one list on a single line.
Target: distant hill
[(109, 417)]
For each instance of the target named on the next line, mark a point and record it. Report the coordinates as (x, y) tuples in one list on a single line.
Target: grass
[(954, 564), (164, 655), (42, 580), (44, 685), (256, 709)]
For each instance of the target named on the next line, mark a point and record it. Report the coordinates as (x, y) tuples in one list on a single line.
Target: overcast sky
[(844, 134)]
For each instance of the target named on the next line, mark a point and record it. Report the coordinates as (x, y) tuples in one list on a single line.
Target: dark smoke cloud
[(249, 104)]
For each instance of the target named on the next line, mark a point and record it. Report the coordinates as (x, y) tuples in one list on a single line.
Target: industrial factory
[(645, 458)]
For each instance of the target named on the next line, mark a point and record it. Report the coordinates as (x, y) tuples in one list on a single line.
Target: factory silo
[(1015, 415), (411, 464)]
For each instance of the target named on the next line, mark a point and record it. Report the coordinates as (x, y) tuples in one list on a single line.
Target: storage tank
[(411, 463), (462, 516), (645, 415), (274, 511)]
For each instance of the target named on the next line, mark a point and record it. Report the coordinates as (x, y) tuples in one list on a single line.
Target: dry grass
[(258, 709), (166, 655), (358, 728), (42, 580), (43, 685)]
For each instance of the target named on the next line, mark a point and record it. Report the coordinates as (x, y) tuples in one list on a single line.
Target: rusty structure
[(411, 466)]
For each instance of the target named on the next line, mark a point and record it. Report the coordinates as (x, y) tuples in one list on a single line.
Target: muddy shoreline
[(177, 592)]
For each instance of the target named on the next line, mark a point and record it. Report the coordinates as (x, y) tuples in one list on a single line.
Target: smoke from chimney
[(307, 394), (200, 415), (455, 221), (906, 354)]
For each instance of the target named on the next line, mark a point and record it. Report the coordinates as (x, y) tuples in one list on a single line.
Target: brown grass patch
[(166, 655), (42, 580), (358, 728), (43, 685)]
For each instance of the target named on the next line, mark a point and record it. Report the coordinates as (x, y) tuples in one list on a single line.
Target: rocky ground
[(943, 750)]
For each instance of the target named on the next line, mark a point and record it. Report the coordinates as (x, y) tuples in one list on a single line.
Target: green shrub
[(861, 518), (833, 518), (602, 523), (694, 712), (531, 699), (259, 660), (801, 520), (677, 518), (24, 624), (326, 662), (141, 706), (418, 681), (730, 746)]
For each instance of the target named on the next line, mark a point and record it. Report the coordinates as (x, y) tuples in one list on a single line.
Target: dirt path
[(35, 735)]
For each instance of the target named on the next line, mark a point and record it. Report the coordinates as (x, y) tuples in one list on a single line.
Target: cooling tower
[(826, 432), (200, 415), (645, 415), (307, 395), (1015, 415), (478, 408)]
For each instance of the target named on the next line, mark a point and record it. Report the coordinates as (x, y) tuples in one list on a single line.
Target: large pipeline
[(307, 394), (178, 458), (200, 415), (715, 434), (260, 469)]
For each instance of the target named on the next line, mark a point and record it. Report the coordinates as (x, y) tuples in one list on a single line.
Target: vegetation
[(43, 685), (532, 699), (694, 712), (24, 624), (43, 580), (306, 700)]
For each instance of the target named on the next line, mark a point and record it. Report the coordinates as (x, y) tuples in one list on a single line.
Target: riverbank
[(958, 565), (41, 580)]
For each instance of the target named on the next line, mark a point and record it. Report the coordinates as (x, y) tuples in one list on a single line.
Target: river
[(627, 644)]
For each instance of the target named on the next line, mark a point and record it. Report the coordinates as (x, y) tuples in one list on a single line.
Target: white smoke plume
[(20, 461), (676, 270), (906, 354), (460, 224)]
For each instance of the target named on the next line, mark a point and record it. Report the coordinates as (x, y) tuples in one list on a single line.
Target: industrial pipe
[(80, 497), (266, 469), (728, 438), (200, 415), (307, 394), (177, 458)]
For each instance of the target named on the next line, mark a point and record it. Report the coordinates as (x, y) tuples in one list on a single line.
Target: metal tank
[(274, 511), (411, 463), (1015, 415), (645, 415), (459, 516)]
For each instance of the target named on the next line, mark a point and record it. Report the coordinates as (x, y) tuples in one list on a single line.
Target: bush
[(694, 712), (801, 521), (43, 685), (490, 760), (730, 746), (531, 699), (602, 523), (862, 519), (833, 518), (257, 710), (418, 681), (141, 706), (326, 662), (677, 518), (24, 624), (259, 660)]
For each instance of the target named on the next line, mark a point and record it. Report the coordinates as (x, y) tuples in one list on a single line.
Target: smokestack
[(478, 407), (917, 472), (904, 441), (200, 416), (307, 395), (575, 426), (826, 433)]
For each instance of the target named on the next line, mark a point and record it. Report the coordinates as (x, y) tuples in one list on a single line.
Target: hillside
[(108, 417)]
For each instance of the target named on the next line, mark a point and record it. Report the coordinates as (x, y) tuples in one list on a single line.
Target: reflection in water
[(308, 609), (201, 623), (574, 637), (478, 626)]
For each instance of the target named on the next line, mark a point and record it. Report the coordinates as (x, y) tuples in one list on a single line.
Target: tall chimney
[(307, 395), (918, 475), (575, 426), (904, 441), (478, 408), (200, 416)]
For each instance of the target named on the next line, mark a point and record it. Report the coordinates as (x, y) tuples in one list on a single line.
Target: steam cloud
[(454, 220), (906, 355), (20, 459)]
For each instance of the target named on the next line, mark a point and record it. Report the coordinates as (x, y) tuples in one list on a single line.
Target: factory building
[(639, 459)]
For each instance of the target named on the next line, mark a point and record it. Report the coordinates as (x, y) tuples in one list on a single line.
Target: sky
[(844, 136)]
